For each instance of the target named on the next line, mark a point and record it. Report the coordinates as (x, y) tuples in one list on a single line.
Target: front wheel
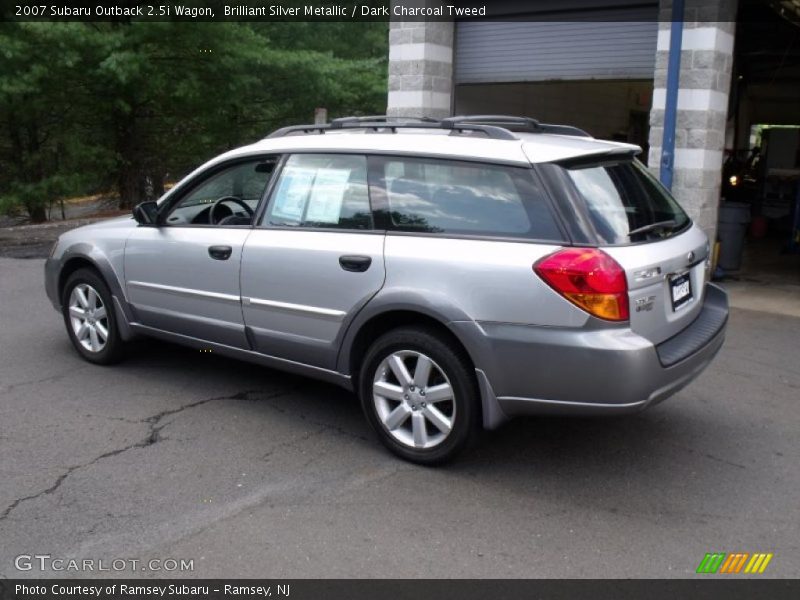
[(90, 319), (419, 393)]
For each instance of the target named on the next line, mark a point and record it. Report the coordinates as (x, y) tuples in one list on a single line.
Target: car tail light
[(590, 279)]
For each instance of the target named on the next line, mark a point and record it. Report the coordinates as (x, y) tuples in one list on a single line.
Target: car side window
[(447, 196), (229, 197), (321, 191)]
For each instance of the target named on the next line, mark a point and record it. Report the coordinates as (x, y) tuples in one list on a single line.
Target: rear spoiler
[(604, 157)]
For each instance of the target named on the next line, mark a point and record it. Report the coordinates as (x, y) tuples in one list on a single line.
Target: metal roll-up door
[(573, 49)]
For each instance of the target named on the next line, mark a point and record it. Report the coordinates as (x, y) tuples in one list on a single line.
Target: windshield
[(626, 204)]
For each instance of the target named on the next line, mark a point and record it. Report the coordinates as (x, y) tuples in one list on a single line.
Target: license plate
[(680, 287)]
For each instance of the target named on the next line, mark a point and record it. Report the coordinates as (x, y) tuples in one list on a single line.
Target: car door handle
[(220, 252), (356, 264)]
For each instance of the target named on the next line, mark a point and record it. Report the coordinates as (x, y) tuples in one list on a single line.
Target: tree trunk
[(130, 176), (37, 213), (158, 184), (131, 188)]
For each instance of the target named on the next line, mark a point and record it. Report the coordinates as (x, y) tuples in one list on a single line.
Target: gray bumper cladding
[(704, 328), (535, 370)]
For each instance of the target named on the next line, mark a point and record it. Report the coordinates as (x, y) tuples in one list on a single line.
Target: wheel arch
[(397, 308), (85, 256), (70, 266), (386, 320)]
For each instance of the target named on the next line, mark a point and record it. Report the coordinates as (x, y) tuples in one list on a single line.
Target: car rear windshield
[(626, 204), (463, 198)]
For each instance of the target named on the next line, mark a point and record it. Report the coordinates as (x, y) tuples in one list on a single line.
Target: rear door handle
[(220, 252), (356, 264)]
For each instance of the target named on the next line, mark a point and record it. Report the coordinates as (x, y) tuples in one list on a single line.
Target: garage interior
[(764, 138), (594, 71), (597, 73)]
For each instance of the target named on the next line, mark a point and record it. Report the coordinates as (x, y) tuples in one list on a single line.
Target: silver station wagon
[(453, 273)]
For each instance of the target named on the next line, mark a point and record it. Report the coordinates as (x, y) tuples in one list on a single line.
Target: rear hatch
[(636, 221)]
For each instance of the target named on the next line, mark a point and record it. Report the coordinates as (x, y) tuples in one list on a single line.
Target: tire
[(88, 311), (407, 419)]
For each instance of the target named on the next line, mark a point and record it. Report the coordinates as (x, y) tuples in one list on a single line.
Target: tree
[(42, 108), (130, 104)]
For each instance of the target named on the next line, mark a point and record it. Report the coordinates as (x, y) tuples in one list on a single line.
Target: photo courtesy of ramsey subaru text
[(453, 273)]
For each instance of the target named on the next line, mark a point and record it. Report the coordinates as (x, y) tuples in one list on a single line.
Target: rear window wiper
[(653, 226)]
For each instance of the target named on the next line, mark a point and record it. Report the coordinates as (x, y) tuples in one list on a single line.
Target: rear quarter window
[(462, 198), (626, 204)]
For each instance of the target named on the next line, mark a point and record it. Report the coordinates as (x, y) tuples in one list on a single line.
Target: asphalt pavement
[(248, 472)]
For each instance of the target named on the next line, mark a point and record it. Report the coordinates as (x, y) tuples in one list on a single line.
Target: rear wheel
[(90, 319), (418, 392)]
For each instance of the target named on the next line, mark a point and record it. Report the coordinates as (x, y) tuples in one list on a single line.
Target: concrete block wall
[(705, 78), (420, 68)]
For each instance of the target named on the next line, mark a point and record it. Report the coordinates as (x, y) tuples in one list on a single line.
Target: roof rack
[(493, 119), (519, 124), (337, 123), (371, 123), (497, 127)]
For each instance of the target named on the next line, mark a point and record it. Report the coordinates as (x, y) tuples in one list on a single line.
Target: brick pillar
[(420, 68), (706, 60)]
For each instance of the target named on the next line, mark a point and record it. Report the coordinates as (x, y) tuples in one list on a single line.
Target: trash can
[(733, 220)]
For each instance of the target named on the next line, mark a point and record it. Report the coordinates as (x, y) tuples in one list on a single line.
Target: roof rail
[(563, 130), (336, 123), (494, 119), (519, 124), (496, 127), (491, 131)]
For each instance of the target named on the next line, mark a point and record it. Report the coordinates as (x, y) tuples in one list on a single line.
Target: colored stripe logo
[(734, 562)]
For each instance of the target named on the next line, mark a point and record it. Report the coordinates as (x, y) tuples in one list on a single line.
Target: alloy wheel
[(88, 317), (414, 399)]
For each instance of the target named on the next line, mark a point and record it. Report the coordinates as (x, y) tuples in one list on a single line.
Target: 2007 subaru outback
[(454, 273)]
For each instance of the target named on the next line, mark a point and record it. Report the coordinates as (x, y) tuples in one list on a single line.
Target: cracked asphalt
[(253, 473)]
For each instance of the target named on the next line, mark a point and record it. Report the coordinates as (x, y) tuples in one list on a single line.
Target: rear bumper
[(540, 370)]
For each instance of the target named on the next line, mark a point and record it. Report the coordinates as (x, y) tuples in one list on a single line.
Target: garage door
[(600, 48)]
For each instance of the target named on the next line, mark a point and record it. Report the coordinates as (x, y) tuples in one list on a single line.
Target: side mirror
[(146, 213)]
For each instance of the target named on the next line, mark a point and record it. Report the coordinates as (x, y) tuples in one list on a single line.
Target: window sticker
[(325, 204), (292, 194)]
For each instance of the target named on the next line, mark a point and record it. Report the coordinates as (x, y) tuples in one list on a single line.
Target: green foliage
[(85, 107)]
